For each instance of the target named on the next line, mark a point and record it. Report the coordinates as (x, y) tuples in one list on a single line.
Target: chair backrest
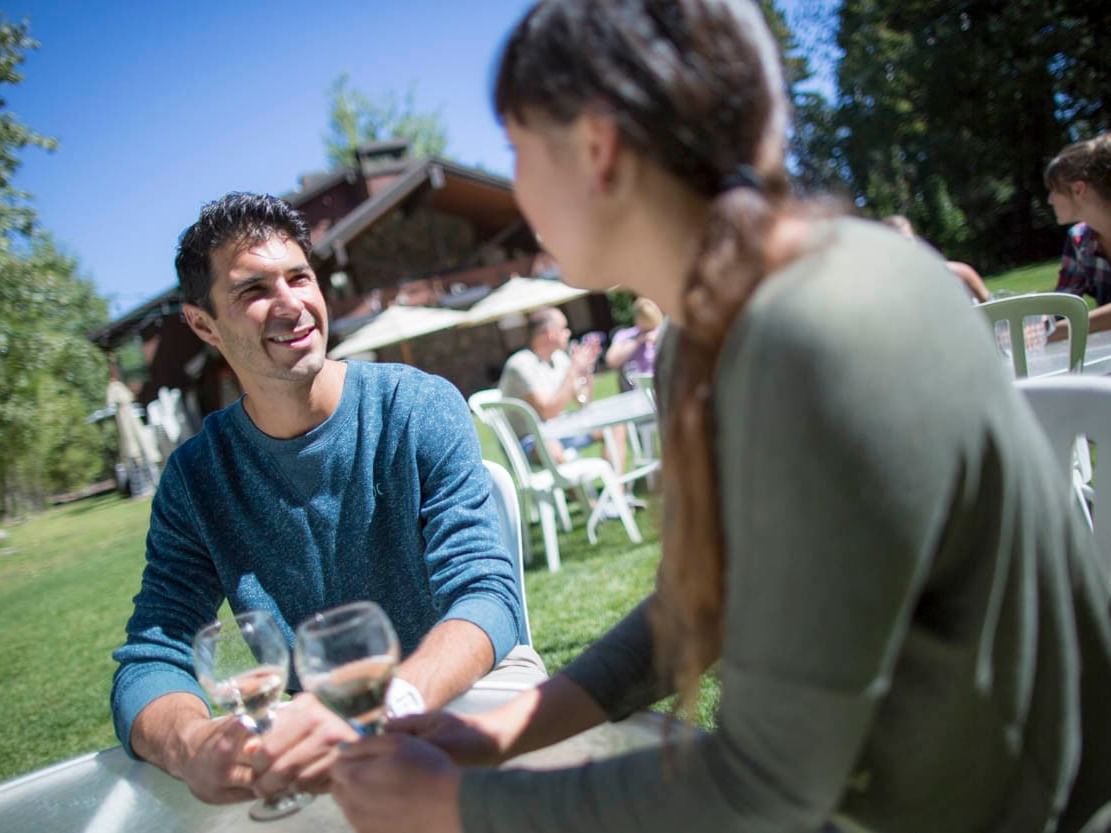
[(509, 515), (1072, 406), (493, 409), (482, 404), (1015, 311)]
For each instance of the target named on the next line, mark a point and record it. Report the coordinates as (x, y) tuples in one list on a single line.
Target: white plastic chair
[(546, 485), (504, 493), (1074, 406), (644, 449), (1016, 310)]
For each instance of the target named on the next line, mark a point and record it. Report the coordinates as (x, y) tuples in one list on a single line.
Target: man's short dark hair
[(235, 217)]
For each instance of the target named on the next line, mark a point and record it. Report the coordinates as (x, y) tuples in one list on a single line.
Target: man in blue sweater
[(325, 483)]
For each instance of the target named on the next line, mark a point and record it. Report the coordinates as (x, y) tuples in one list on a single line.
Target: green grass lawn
[(66, 582), (67, 578), (1038, 277)]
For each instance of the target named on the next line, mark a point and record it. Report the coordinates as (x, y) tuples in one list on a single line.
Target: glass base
[(279, 806)]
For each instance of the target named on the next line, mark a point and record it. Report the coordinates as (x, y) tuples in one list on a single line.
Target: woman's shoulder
[(853, 280)]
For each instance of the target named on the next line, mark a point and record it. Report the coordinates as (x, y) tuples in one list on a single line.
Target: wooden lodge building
[(387, 229)]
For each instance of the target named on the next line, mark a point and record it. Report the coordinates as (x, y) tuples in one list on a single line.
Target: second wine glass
[(346, 656)]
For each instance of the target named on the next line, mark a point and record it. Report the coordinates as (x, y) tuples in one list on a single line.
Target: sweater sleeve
[(179, 593), (618, 671), (469, 569)]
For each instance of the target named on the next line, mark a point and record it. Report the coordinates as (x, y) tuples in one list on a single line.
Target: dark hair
[(235, 217), (696, 87), (1088, 161)]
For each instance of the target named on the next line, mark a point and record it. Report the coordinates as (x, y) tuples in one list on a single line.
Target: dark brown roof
[(486, 197)]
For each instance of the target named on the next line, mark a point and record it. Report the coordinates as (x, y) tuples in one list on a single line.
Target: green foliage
[(51, 376), (15, 216), (621, 306), (357, 119), (948, 113)]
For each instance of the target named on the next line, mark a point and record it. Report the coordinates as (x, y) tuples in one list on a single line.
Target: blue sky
[(161, 106)]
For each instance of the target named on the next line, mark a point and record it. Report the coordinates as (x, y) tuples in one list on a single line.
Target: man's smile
[(295, 338)]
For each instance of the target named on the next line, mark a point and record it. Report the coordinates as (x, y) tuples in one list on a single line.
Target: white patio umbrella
[(396, 324), (519, 296)]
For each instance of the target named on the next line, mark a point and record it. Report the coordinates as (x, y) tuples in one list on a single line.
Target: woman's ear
[(603, 150)]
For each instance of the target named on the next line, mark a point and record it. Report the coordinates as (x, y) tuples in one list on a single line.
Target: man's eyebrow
[(300, 267)]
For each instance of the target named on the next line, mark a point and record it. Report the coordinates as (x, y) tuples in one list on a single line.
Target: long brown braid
[(696, 87)]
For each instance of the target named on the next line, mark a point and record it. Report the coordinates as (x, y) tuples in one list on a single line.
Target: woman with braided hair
[(864, 529)]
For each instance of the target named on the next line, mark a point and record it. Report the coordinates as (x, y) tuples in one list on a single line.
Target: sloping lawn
[(1038, 277), (66, 583), (67, 578)]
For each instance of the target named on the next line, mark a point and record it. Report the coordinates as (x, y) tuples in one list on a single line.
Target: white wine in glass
[(346, 656), (243, 664)]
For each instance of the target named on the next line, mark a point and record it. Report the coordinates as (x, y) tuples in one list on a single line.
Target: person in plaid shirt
[(1079, 183)]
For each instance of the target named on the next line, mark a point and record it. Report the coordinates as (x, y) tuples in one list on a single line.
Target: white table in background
[(601, 415), (1053, 359), (107, 792)]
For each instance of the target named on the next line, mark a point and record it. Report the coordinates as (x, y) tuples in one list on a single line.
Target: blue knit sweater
[(386, 500)]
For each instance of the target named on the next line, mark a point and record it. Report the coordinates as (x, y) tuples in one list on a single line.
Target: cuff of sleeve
[(135, 691), (491, 616)]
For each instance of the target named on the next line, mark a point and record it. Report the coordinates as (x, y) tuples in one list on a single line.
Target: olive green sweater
[(917, 630)]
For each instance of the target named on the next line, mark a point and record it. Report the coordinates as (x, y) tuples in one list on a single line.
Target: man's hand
[(300, 748), (175, 733), (217, 769), (584, 355)]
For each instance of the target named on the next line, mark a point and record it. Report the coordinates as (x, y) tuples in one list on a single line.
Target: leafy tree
[(948, 112), (357, 119), (51, 376), (15, 215), (813, 157)]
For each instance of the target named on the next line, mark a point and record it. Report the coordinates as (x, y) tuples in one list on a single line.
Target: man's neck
[(286, 409), (543, 351)]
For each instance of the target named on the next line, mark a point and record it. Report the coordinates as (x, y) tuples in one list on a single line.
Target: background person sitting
[(1079, 183), (965, 273), (549, 377), (633, 349)]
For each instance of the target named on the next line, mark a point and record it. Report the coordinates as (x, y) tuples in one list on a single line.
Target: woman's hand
[(467, 739), (397, 784)]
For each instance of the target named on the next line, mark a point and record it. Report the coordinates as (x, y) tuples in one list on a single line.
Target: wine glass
[(582, 389), (243, 664), (346, 656)]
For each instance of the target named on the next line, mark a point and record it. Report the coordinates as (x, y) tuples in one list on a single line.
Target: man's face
[(270, 319), (558, 334)]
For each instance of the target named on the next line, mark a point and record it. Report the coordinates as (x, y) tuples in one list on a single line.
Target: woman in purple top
[(634, 348)]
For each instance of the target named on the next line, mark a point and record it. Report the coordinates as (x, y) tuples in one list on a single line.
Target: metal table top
[(632, 406), (107, 792)]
